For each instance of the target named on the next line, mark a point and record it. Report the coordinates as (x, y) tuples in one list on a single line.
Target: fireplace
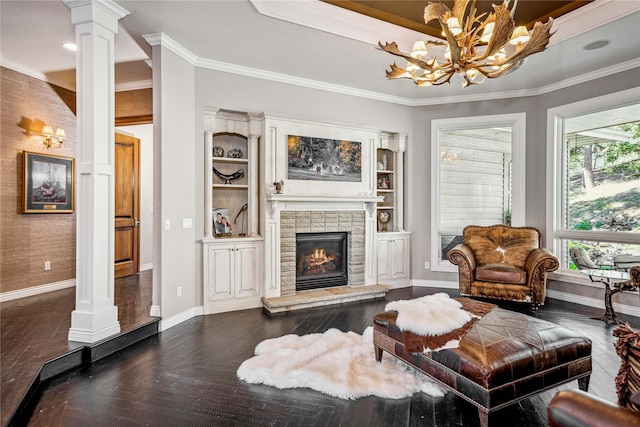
[(321, 260)]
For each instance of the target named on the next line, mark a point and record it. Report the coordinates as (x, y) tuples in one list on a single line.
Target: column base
[(90, 327)]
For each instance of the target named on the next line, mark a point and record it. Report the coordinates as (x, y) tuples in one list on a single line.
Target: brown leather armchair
[(573, 407), (503, 262)]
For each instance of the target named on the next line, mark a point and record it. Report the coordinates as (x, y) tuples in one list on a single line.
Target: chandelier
[(475, 48)]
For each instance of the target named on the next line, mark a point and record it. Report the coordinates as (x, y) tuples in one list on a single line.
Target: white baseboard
[(434, 284), (593, 302), (180, 317), (145, 267), (37, 290)]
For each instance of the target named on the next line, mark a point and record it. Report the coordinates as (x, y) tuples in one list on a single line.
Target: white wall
[(175, 192), (145, 134)]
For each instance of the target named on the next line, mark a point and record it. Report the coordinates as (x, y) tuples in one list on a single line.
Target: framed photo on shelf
[(47, 183), (221, 224)]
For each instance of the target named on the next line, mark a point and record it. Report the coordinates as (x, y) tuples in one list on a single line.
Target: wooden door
[(127, 205)]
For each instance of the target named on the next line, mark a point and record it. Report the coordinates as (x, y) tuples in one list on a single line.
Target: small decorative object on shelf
[(218, 151), (384, 162), (242, 210), (236, 153), (227, 178), (279, 186), (383, 219), (380, 166)]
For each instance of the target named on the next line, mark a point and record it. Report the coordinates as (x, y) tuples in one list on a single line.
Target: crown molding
[(37, 75), (590, 16), (142, 84), (336, 20), (603, 72), (161, 39), (296, 81)]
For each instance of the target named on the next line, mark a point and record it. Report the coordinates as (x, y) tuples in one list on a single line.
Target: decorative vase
[(218, 151), (236, 153)]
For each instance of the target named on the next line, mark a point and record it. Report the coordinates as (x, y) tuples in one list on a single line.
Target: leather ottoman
[(502, 358)]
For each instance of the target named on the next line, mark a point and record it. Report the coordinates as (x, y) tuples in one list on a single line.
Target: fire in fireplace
[(321, 260)]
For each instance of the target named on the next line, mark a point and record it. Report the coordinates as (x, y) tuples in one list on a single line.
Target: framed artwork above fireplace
[(323, 159)]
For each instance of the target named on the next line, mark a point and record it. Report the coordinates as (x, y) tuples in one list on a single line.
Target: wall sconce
[(48, 140)]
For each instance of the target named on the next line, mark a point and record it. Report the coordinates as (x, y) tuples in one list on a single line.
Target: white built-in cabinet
[(232, 254), (233, 270), (393, 258), (392, 240)]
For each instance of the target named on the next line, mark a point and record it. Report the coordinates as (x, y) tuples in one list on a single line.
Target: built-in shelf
[(229, 186), (229, 160)]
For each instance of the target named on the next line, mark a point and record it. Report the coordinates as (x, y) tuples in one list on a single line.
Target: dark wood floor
[(35, 330), (187, 376)]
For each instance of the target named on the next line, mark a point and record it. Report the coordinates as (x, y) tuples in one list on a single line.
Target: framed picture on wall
[(322, 159), (47, 183)]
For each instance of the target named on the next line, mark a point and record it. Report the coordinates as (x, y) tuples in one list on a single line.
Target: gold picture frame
[(48, 183)]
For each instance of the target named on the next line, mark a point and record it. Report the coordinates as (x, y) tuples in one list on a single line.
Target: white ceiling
[(307, 42)]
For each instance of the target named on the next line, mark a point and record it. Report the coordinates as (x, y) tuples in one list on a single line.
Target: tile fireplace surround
[(291, 215), (293, 222)]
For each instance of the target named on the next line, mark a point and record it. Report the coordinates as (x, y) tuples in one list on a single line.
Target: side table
[(607, 277)]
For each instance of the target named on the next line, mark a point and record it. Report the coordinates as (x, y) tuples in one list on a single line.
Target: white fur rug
[(430, 315), (340, 364)]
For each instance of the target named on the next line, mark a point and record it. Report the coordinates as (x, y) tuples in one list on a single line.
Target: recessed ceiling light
[(596, 45), (70, 46)]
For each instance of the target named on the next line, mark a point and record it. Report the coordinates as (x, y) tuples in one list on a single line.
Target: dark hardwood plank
[(187, 376), (35, 330)]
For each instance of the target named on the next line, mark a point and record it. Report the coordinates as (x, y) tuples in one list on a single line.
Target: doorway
[(127, 205)]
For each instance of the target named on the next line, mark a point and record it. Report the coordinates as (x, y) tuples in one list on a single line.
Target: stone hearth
[(322, 297)]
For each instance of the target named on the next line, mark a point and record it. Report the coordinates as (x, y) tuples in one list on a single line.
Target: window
[(477, 162), (595, 183)]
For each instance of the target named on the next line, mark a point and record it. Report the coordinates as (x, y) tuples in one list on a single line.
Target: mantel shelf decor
[(476, 47)]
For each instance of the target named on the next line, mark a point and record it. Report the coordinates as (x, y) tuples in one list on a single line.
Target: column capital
[(105, 13)]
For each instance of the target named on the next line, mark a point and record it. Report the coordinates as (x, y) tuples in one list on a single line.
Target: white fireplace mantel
[(277, 203), (328, 202)]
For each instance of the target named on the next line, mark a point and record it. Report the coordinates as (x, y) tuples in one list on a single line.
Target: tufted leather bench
[(503, 358)]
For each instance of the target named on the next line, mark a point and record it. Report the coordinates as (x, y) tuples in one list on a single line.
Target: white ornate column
[(400, 146), (253, 136), (209, 129), (95, 316)]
